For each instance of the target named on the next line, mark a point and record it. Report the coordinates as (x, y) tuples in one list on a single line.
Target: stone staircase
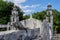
[(56, 37)]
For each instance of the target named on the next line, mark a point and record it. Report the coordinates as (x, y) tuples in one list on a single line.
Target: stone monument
[(29, 29)]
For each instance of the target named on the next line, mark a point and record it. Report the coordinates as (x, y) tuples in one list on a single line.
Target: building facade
[(33, 27)]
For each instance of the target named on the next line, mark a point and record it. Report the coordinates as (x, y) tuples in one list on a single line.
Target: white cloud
[(32, 6), (27, 10), (16, 1), (20, 1), (26, 7)]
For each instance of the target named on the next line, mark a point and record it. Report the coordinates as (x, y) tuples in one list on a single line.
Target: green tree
[(5, 11), (26, 17), (39, 15)]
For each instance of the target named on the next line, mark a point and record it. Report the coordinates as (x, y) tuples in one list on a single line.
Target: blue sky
[(30, 6)]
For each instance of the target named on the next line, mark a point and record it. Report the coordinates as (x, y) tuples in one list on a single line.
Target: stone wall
[(29, 34), (13, 35)]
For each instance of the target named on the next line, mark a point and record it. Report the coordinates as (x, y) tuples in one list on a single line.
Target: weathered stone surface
[(28, 34)]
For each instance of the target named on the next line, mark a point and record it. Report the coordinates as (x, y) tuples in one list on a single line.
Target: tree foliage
[(39, 15), (26, 17), (5, 11)]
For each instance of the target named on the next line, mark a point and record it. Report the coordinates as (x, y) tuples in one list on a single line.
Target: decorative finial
[(31, 15), (14, 7), (49, 5)]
